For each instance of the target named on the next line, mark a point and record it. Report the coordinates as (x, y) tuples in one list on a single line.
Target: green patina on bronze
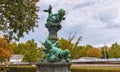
[(53, 53)]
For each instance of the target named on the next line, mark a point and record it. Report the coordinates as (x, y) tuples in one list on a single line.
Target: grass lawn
[(95, 68)]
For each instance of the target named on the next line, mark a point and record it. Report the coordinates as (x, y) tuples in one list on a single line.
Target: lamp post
[(104, 51)]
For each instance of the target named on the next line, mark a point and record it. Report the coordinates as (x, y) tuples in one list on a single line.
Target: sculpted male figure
[(54, 19), (54, 53)]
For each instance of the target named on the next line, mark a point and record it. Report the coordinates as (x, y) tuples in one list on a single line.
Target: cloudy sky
[(97, 21)]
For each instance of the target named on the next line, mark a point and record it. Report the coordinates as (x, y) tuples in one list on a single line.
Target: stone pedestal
[(53, 67)]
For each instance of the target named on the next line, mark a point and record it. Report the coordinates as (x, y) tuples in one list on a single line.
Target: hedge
[(73, 69), (94, 69), (18, 69)]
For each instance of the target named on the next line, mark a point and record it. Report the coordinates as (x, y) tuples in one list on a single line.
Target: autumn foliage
[(72, 47), (94, 52), (5, 49)]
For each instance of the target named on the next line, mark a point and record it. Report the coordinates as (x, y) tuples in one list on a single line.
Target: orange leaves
[(94, 52), (5, 49), (4, 53)]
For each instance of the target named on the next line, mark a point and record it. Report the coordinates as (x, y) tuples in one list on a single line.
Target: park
[(25, 48)]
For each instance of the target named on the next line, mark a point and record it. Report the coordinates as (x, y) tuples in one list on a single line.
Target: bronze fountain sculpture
[(55, 59), (53, 52)]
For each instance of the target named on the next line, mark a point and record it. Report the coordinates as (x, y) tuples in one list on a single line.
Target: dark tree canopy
[(18, 17)]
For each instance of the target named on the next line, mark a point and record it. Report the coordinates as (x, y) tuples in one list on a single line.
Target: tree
[(72, 47), (88, 47), (18, 48), (114, 51), (30, 51), (5, 50), (104, 50), (17, 17), (83, 50), (94, 52)]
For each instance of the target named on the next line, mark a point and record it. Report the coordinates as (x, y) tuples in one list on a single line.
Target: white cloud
[(98, 21)]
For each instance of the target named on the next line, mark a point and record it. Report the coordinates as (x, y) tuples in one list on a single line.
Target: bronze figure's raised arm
[(49, 9)]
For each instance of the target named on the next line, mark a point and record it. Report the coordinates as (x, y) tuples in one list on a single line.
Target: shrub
[(19, 69), (94, 69), (73, 69)]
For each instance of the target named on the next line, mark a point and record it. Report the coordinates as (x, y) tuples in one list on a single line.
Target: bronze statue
[(53, 53), (53, 22), (54, 19)]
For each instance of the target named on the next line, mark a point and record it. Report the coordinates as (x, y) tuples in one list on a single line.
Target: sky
[(97, 21)]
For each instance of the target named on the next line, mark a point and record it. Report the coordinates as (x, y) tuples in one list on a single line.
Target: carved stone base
[(53, 67)]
